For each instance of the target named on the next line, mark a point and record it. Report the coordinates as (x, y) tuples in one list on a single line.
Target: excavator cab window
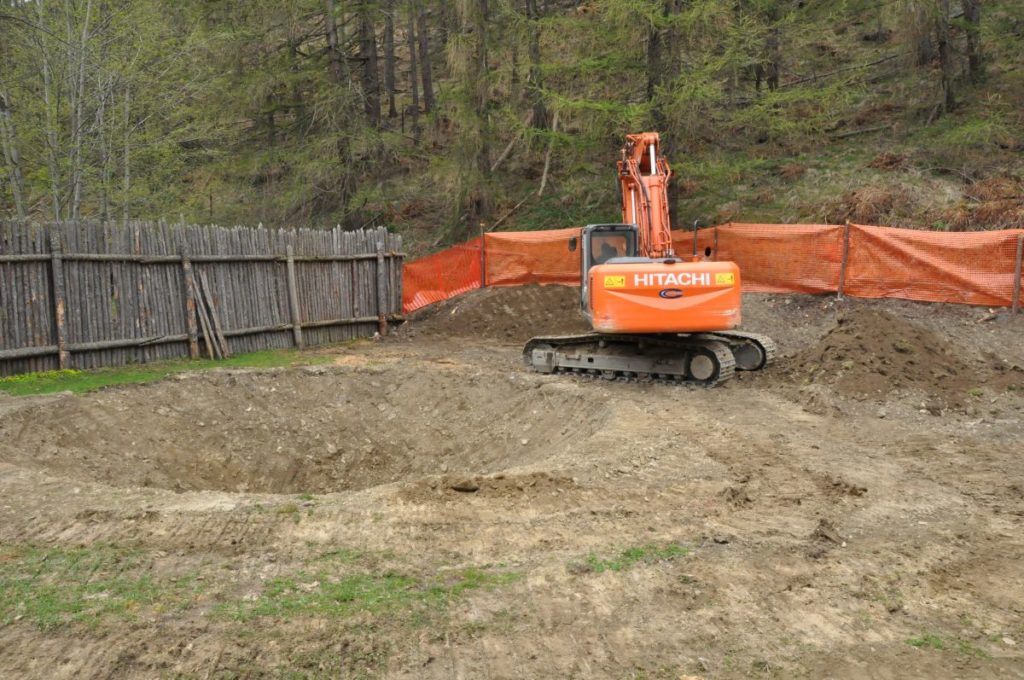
[(604, 245), (601, 243)]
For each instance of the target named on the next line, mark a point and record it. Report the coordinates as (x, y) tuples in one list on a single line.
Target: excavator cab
[(602, 243)]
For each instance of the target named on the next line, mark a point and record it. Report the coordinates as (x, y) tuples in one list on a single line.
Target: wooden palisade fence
[(84, 295)]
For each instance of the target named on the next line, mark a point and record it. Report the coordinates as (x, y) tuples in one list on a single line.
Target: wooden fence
[(84, 295)]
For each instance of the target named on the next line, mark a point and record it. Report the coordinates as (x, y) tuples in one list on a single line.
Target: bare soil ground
[(425, 507)]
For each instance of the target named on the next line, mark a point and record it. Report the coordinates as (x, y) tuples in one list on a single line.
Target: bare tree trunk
[(482, 94), (9, 140), (535, 78), (368, 57), (338, 65), (104, 144), (414, 88), (663, 65), (126, 182), (78, 110), (945, 56), (773, 58), (339, 68), (52, 164), (654, 73), (389, 57), (924, 48), (428, 87), (547, 156), (975, 61)]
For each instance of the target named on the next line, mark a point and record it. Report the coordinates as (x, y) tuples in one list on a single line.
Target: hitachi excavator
[(655, 315)]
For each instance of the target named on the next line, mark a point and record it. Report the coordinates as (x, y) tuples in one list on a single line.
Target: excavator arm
[(644, 176)]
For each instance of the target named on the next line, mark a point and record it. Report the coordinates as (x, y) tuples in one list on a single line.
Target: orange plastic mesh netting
[(441, 276), (516, 258), (784, 258), (967, 267), (963, 267)]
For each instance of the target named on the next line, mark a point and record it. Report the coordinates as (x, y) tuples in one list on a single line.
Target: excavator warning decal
[(726, 279), (615, 282)]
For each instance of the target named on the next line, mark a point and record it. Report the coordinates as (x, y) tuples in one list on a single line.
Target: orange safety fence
[(962, 267), (975, 268), (517, 258), (440, 276)]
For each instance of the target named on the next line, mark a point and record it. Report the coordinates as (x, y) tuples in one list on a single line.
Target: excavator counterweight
[(654, 315)]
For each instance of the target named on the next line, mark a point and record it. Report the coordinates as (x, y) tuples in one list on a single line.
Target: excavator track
[(752, 351), (705, 359), (689, 359)]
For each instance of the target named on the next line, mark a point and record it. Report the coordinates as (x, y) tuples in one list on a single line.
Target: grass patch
[(53, 587), (926, 641), (344, 555), (322, 595), (967, 649), (646, 554), (86, 381)]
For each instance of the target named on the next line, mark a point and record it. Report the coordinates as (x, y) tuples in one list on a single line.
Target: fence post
[(842, 264), (1016, 274), (483, 257), (190, 305), (293, 299), (382, 286), (715, 256), (57, 271)]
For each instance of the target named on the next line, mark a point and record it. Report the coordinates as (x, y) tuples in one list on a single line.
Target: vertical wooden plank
[(382, 289), (842, 264), (188, 279), (57, 273), (1016, 274), (293, 299)]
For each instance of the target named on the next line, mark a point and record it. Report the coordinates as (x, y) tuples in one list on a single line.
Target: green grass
[(53, 587), (646, 554), (322, 595), (926, 641), (967, 649), (87, 381)]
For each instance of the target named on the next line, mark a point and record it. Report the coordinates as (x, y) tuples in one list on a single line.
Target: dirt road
[(424, 507)]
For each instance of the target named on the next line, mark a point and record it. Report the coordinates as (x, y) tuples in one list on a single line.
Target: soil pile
[(311, 430), (870, 353), (503, 314)]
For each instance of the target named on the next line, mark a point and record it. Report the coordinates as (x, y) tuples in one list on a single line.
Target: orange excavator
[(655, 315)]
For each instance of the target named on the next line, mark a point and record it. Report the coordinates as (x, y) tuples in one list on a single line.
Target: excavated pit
[(313, 430)]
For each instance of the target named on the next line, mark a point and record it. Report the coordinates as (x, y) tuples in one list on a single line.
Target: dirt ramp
[(503, 314), (870, 353)]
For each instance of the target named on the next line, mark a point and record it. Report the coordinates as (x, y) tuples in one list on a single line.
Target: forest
[(441, 119)]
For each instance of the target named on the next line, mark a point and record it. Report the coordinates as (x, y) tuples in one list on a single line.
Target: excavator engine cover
[(664, 296)]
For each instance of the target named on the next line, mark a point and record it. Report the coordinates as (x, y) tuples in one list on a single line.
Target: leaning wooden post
[(190, 305), (382, 291), (1016, 274), (293, 299), (842, 263), (57, 270)]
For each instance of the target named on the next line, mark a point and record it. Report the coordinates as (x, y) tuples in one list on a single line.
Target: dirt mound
[(314, 430), (503, 314), (870, 353), (513, 486)]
